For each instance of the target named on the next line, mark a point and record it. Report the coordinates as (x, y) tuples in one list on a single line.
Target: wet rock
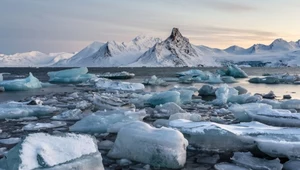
[(241, 90), (124, 162), (270, 95), (2, 89), (208, 159), (287, 96), (207, 90), (105, 145)]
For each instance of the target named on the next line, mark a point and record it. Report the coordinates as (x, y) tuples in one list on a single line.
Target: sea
[(146, 72)]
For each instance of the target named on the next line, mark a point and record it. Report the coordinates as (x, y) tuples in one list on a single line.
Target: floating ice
[(15, 110), (10, 141), (21, 84), (164, 147), (1, 76), (42, 126), (74, 75), (248, 161), (44, 151), (192, 73), (164, 97), (265, 80), (154, 81), (223, 93), (209, 136), (118, 75), (75, 114), (241, 90), (228, 166), (274, 103), (291, 104), (188, 116), (275, 117), (185, 95), (213, 79), (103, 83), (207, 90), (291, 164), (236, 72), (167, 109), (228, 79), (99, 122), (240, 111)]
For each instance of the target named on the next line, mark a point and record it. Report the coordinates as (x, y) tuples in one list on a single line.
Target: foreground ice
[(192, 73), (235, 71), (74, 75), (188, 116), (164, 147), (118, 75), (217, 137), (15, 110), (223, 93), (99, 122), (154, 81), (44, 151), (21, 84), (10, 141), (164, 97), (228, 166), (248, 161), (167, 109), (240, 111), (103, 83)]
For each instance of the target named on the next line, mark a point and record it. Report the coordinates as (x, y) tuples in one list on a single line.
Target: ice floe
[(118, 75), (21, 84), (103, 83), (74, 75)]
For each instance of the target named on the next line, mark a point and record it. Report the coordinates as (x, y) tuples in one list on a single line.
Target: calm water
[(142, 73)]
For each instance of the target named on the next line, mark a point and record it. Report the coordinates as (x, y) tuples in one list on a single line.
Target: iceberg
[(44, 151), (163, 97), (103, 83), (119, 75), (223, 93), (21, 84), (163, 147), (99, 122), (154, 81), (185, 95), (193, 73), (74, 75), (236, 72), (207, 90), (290, 104), (15, 110), (247, 160), (75, 114), (228, 79)]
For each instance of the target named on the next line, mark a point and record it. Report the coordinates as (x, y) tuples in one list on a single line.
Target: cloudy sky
[(70, 25)]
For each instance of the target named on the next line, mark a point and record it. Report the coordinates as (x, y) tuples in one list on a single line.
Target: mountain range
[(175, 51)]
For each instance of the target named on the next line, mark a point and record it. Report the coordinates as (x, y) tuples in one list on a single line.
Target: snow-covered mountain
[(175, 51), (32, 59), (111, 54)]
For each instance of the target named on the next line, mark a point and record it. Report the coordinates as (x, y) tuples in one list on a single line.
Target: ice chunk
[(103, 83), (274, 103), (118, 75), (10, 141), (164, 147), (164, 97), (44, 151), (265, 80), (240, 111), (14, 110), (42, 126), (291, 164), (236, 72), (154, 81), (99, 122), (228, 166), (74, 75), (193, 72), (241, 89), (21, 84), (207, 90), (188, 116), (275, 117), (213, 79), (223, 94), (228, 79), (1, 76), (167, 109), (2, 89), (75, 114), (247, 160), (291, 104), (284, 145), (185, 95)]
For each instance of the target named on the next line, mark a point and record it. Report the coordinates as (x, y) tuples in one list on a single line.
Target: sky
[(70, 25)]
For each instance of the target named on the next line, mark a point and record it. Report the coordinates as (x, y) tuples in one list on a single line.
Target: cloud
[(228, 6)]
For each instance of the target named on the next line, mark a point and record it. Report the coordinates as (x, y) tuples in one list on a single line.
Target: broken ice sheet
[(41, 126)]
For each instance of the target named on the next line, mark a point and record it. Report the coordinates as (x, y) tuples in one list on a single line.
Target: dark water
[(141, 73)]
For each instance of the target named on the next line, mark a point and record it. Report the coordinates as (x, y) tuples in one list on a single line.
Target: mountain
[(32, 59), (111, 54), (234, 50), (211, 51), (175, 51)]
